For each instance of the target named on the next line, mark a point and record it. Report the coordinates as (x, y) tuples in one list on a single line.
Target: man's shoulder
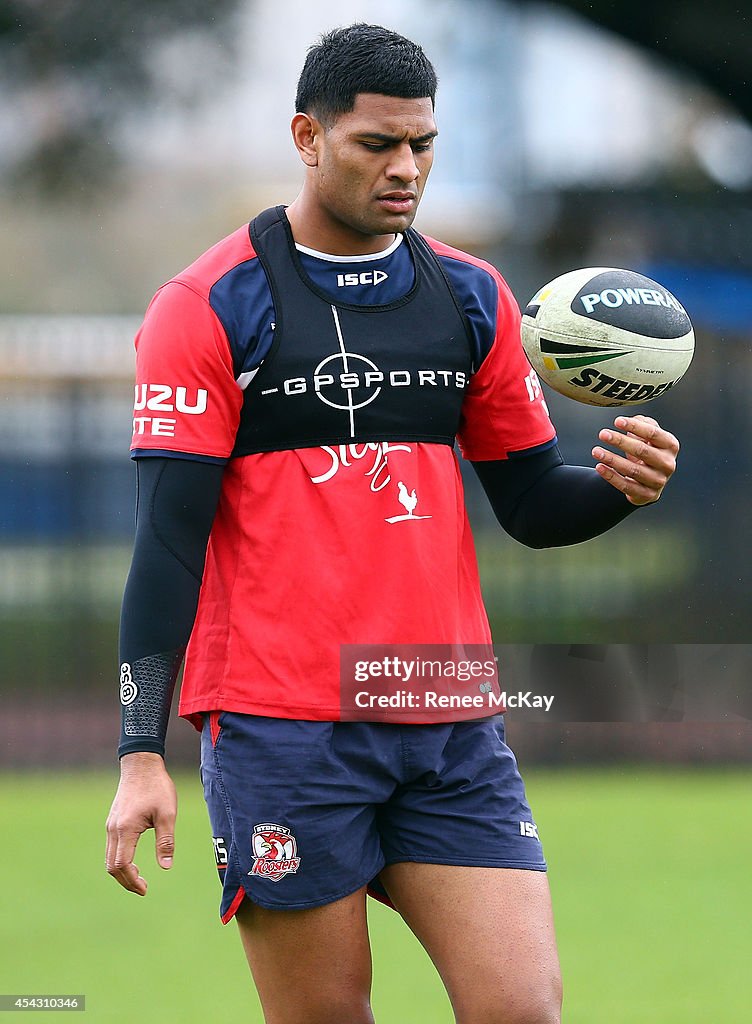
[(460, 256), (211, 266)]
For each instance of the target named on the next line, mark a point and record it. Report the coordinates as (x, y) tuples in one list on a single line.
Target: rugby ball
[(607, 337)]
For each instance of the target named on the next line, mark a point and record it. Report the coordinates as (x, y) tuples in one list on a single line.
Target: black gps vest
[(339, 373)]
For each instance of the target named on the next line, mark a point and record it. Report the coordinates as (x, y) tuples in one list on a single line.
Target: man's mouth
[(398, 202)]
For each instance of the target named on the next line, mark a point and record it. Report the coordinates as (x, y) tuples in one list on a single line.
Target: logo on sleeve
[(128, 687), (161, 399), (274, 852)]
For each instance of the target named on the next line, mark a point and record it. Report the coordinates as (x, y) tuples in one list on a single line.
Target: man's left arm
[(542, 502)]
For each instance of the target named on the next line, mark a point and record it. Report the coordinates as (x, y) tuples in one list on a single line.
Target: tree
[(70, 71), (713, 41)]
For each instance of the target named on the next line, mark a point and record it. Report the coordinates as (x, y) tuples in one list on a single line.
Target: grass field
[(650, 870)]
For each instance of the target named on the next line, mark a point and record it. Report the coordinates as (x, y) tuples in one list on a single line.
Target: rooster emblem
[(408, 500), (274, 851)]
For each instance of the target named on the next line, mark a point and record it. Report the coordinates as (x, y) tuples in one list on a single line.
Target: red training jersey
[(316, 547)]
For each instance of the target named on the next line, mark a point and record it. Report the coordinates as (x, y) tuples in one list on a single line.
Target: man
[(300, 388)]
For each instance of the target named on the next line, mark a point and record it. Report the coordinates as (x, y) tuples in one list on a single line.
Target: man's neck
[(311, 229)]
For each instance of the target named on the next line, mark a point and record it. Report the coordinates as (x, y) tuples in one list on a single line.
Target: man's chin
[(393, 223)]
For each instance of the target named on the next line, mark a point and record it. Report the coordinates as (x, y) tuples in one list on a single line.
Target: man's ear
[(306, 130)]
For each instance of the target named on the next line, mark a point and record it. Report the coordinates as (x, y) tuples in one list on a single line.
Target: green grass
[(651, 885), (649, 870)]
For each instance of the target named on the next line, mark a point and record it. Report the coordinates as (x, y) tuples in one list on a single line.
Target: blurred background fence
[(561, 146)]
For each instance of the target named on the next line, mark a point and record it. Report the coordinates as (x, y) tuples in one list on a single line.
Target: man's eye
[(375, 147), (423, 147)]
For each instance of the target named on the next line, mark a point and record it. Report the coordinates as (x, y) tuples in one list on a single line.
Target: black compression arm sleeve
[(543, 503), (176, 503)]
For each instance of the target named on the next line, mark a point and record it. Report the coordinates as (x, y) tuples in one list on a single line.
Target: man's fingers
[(644, 461), (129, 877), (645, 428), (120, 864), (649, 454), (165, 842), (111, 845), (640, 450), (632, 468), (638, 493)]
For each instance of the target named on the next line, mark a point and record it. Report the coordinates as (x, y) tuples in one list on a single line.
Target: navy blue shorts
[(305, 813)]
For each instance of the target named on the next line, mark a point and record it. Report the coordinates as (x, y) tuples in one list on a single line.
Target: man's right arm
[(177, 500), (176, 504)]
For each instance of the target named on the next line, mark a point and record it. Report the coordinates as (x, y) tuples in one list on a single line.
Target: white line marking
[(343, 350)]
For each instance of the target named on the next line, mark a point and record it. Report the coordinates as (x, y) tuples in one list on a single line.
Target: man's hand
[(648, 460), (146, 798)]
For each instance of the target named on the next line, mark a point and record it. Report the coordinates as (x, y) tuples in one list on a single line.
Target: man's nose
[(403, 164)]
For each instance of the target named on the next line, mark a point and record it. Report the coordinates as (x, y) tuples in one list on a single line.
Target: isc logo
[(365, 277), (529, 829)]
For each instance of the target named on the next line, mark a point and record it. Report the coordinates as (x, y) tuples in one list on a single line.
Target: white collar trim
[(365, 258)]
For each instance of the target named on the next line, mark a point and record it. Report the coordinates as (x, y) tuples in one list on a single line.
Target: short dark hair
[(361, 58)]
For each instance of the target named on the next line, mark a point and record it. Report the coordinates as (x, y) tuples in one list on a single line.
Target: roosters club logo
[(274, 852)]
